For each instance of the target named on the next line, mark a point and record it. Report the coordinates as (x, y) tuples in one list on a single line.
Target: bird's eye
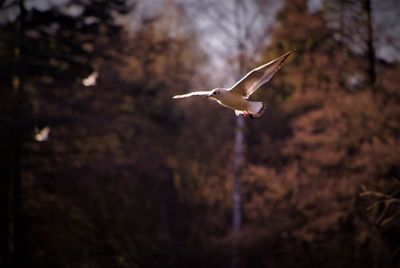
[(214, 93)]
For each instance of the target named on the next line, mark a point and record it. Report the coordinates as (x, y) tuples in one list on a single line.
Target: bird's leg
[(246, 114)]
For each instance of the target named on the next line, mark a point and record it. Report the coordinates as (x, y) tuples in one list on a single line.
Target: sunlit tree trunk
[(237, 202), (238, 153)]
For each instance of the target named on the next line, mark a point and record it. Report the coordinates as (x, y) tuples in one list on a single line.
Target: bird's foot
[(246, 114)]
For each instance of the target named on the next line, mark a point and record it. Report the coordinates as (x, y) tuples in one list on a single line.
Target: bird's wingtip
[(289, 52)]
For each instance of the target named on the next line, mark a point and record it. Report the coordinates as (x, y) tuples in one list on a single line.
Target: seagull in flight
[(91, 80), (236, 97), (43, 134)]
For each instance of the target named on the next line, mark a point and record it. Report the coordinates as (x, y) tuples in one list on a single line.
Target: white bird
[(91, 80), (236, 97), (43, 134)]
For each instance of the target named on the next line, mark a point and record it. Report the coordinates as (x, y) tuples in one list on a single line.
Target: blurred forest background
[(117, 174)]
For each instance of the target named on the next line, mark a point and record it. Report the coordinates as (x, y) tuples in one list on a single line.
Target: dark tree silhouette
[(43, 48)]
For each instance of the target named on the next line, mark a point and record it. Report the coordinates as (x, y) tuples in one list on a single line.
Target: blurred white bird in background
[(43, 134), (236, 97), (91, 80)]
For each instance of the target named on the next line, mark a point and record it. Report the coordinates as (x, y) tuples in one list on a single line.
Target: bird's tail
[(256, 108)]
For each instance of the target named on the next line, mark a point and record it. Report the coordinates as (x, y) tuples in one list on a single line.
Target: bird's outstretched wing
[(191, 94), (258, 76)]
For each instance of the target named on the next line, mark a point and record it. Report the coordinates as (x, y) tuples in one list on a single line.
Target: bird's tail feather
[(256, 108)]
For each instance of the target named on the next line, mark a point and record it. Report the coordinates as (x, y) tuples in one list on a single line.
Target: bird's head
[(216, 93)]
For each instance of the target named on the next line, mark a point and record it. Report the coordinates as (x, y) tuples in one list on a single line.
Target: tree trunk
[(238, 152), (370, 43), (237, 203), (18, 243)]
